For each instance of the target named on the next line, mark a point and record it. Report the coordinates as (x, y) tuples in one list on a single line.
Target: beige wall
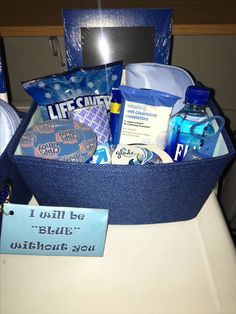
[(211, 59)]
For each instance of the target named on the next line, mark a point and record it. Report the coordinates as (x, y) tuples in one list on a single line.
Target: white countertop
[(175, 268)]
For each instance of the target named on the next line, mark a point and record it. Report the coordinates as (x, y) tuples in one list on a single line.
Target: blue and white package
[(95, 117), (166, 78), (144, 116), (102, 154), (81, 87)]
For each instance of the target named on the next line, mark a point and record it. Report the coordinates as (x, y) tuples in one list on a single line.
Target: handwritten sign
[(47, 230)]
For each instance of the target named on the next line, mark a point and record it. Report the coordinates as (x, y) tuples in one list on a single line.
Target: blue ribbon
[(209, 141)]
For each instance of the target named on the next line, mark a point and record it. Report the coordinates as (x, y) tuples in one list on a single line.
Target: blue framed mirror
[(99, 36)]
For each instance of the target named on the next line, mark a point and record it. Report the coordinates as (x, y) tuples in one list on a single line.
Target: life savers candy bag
[(80, 87), (144, 116)]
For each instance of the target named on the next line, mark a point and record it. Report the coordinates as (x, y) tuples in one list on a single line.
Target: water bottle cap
[(197, 95)]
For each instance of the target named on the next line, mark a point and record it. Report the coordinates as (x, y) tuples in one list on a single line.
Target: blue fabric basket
[(133, 194), (9, 175)]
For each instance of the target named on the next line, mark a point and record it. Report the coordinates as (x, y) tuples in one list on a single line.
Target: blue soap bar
[(59, 139)]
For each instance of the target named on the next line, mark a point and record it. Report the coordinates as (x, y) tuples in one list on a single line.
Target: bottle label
[(181, 150)]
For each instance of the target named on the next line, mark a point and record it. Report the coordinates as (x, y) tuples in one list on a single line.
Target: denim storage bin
[(133, 194)]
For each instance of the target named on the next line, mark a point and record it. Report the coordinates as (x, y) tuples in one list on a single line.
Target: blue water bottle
[(179, 137)]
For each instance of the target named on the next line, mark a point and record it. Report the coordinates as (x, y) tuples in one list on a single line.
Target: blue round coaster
[(59, 139)]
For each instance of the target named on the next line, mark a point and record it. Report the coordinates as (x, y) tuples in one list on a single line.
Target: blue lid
[(197, 95), (116, 95)]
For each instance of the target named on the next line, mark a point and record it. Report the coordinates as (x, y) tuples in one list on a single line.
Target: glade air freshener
[(80, 87), (139, 155), (60, 139)]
